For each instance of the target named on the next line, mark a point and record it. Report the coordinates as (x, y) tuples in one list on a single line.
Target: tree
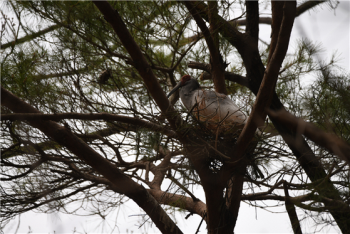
[(70, 135)]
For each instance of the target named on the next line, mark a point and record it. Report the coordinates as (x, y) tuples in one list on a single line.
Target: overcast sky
[(327, 27)]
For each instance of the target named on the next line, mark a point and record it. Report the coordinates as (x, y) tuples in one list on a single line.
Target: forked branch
[(120, 182)]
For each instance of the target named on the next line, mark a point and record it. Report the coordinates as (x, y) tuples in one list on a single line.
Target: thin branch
[(267, 87), (262, 20), (182, 187), (93, 116), (47, 145), (293, 217), (30, 37)]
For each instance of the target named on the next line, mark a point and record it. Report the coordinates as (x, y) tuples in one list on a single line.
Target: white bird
[(217, 111)]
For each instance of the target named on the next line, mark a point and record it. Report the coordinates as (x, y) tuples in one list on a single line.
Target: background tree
[(85, 119)]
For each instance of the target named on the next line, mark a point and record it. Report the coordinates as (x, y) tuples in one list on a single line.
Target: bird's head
[(181, 83)]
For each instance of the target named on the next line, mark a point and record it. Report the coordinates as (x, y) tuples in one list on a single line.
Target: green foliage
[(329, 105), (58, 73)]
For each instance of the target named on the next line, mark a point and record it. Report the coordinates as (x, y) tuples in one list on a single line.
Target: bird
[(216, 110), (104, 77)]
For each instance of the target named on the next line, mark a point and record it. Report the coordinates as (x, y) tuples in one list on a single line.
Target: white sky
[(322, 25)]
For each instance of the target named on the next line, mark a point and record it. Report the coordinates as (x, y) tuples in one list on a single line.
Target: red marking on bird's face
[(184, 79)]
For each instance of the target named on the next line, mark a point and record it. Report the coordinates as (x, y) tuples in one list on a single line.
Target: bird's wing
[(215, 109), (218, 106)]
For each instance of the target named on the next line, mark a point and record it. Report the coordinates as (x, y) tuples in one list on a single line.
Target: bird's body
[(104, 77), (217, 111)]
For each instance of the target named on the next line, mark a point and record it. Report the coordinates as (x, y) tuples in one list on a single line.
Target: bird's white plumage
[(217, 111)]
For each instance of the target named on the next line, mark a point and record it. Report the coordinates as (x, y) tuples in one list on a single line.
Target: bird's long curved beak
[(174, 89)]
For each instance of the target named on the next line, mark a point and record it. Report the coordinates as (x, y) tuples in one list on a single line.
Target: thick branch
[(113, 18), (159, 171), (267, 87), (230, 77), (243, 22), (213, 22), (262, 101), (234, 193), (330, 141), (277, 16), (121, 183), (183, 202), (305, 156), (201, 66), (217, 66), (201, 24), (183, 187), (252, 27), (307, 6)]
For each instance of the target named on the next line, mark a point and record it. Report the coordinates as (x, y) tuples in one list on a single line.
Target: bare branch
[(120, 182), (182, 187), (293, 217), (267, 87), (277, 16), (30, 37), (89, 137), (261, 20), (93, 116), (171, 199), (252, 27), (307, 6), (242, 22), (201, 66), (217, 67)]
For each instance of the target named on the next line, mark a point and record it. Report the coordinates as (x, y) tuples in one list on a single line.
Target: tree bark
[(217, 67)]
